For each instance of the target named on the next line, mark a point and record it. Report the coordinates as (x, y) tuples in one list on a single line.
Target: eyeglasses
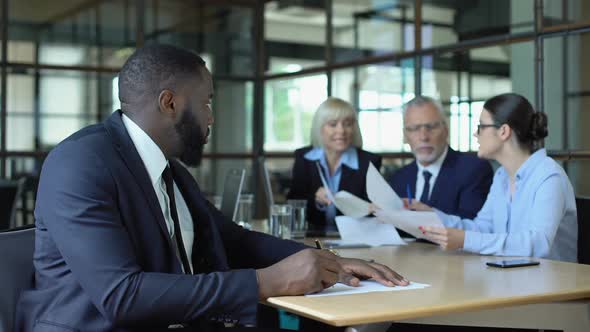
[(480, 126), (428, 126)]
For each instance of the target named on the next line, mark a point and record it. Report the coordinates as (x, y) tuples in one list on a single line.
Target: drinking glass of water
[(280, 221), (245, 210), (299, 225)]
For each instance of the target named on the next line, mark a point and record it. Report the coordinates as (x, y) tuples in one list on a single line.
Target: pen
[(409, 191), (318, 245)]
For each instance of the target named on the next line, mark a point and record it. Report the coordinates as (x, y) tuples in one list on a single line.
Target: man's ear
[(166, 102)]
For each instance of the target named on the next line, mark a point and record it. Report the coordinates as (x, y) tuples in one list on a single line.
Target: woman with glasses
[(531, 208), (336, 152)]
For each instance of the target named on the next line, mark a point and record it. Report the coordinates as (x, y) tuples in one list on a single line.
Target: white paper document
[(390, 212), (351, 205), (380, 192), (368, 231), (366, 286), (409, 221)]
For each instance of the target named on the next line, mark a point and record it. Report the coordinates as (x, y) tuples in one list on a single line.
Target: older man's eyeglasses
[(428, 126), (483, 126)]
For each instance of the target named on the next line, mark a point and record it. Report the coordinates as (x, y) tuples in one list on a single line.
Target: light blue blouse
[(539, 221), (348, 158)]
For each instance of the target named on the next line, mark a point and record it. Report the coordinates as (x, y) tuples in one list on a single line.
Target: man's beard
[(192, 138)]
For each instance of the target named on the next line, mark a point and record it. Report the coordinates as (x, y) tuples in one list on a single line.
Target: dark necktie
[(167, 176), (426, 189)]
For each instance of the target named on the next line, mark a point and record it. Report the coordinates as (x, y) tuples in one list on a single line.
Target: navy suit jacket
[(104, 260), (306, 181), (461, 187)]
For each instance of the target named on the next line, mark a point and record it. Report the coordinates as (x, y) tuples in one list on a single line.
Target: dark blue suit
[(104, 260), (461, 186)]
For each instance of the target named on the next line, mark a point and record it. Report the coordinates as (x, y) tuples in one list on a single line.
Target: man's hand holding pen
[(358, 269), (311, 270)]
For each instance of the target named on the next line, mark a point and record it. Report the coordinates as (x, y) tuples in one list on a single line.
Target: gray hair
[(331, 109), (419, 101)]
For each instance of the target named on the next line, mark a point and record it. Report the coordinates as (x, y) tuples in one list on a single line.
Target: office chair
[(583, 207), (10, 192), (16, 264), (232, 187)]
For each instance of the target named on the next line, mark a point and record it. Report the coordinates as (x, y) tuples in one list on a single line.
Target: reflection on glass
[(463, 120), (223, 30), (17, 166), (19, 129), (463, 81), (566, 91), (383, 90), (289, 108), (362, 29), (294, 34), (72, 33), (559, 12), (291, 65), (232, 106), (343, 84), (449, 22), (578, 117), (67, 101), (578, 172)]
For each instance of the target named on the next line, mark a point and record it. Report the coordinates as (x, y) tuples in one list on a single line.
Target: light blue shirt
[(539, 221), (348, 158)]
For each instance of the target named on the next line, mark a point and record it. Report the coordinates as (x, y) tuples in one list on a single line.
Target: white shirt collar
[(153, 158), (434, 168)]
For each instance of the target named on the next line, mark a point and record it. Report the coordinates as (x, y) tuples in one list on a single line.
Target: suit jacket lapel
[(124, 145), (444, 180)]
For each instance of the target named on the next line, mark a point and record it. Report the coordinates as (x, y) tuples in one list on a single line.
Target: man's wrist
[(261, 294), (264, 285)]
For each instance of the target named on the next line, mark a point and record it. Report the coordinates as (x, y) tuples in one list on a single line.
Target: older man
[(451, 181)]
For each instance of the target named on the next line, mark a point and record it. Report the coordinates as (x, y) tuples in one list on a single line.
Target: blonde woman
[(336, 147)]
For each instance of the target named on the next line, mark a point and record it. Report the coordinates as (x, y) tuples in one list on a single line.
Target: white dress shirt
[(155, 162), (434, 169)]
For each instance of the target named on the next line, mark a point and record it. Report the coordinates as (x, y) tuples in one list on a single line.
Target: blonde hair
[(332, 109)]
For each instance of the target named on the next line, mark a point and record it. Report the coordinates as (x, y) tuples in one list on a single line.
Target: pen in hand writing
[(318, 245)]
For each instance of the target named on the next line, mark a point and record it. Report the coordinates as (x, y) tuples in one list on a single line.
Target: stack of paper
[(366, 286)]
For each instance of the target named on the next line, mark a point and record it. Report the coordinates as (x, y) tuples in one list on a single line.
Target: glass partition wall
[(274, 62)]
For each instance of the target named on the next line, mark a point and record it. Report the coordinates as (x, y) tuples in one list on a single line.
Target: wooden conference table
[(463, 291)]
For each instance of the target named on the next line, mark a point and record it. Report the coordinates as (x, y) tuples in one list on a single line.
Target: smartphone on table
[(513, 263)]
